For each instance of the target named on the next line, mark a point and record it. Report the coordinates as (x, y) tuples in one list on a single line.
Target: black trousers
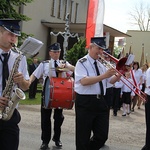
[(116, 99), (91, 116), (46, 124), (109, 97), (126, 97), (147, 118), (9, 132), (33, 89)]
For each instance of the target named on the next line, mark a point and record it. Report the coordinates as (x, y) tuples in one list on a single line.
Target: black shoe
[(144, 147), (115, 114), (124, 115), (57, 143), (44, 146), (132, 110)]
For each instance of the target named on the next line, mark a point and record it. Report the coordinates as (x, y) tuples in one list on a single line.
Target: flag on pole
[(130, 51), (142, 56), (121, 55), (95, 17), (146, 59)]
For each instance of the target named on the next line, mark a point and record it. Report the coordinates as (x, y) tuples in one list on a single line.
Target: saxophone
[(14, 95)]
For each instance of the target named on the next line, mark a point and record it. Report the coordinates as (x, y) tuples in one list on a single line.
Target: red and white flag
[(95, 17)]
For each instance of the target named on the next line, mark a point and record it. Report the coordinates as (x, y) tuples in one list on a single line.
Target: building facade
[(139, 42), (50, 16)]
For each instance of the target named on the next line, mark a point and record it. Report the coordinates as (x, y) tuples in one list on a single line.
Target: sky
[(117, 13)]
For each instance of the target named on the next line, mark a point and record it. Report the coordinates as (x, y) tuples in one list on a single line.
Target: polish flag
[(95, 17)]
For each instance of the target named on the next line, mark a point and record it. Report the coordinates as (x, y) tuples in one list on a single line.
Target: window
[(53, 8), (65, 9), (76, 13)]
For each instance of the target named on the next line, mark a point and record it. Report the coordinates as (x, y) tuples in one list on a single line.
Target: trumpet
[(120, 65)]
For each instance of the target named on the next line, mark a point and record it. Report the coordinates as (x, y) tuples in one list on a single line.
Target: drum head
[(47, 92)]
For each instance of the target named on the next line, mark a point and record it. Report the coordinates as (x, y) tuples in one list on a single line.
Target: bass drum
[(59, 93)]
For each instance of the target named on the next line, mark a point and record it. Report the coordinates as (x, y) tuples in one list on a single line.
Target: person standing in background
[(136, 75), (144, 68), (33, 86), (109, 87), (117, 103), (127, 94)]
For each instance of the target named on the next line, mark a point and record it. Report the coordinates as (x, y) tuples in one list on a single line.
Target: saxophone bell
[(8, 112)]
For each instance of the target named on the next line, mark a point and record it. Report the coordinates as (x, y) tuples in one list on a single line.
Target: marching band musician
[(147, 111), (136, 74), (90, 105), (109, 88), (9, 32), (44, 70)]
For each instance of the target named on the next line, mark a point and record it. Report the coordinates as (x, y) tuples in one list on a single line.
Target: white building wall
[(41, 10), (138, 38)]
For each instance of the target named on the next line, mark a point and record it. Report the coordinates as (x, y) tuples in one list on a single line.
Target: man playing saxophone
[(9, 130)]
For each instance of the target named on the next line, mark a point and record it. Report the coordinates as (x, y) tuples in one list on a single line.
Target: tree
[(10, 9), (76, 52), (141, 16)]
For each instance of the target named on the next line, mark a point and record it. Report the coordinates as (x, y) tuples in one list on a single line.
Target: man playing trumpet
[(92, 112)]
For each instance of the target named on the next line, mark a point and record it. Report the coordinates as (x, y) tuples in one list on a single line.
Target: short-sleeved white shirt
[(22, 65), (87, 68), (44, 69)]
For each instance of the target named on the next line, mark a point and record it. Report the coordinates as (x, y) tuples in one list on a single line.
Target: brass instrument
[(120, 65), (13, 96)]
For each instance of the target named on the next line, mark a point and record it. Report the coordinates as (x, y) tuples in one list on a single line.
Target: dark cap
[(11, 25), (107, 52), (54, 47), (99, 41)]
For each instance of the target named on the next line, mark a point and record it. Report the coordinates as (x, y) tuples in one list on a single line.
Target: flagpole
[(94, 20), (130, 52), (146, 58), (142, 56)]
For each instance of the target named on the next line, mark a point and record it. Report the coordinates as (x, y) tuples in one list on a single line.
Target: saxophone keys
[(10, 103), (5, 115)]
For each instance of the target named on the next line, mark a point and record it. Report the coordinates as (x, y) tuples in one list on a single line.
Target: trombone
[(120, 65)]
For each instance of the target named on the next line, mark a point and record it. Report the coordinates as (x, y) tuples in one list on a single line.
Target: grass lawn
[(36, 101)]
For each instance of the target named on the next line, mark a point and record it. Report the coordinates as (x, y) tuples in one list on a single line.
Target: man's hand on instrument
[(62, 64), (110, 72), (18, 78), (3, 102)]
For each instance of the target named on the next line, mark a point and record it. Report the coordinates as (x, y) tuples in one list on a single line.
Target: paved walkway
[(126, 133)]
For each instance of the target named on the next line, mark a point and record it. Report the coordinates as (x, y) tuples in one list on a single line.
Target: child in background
[(116, 96), (127, 94)]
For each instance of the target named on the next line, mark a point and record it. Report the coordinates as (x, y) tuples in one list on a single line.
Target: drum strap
[(50, 68), (56, 65)]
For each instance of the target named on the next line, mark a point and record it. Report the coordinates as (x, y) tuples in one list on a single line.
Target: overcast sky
[(117, 13)]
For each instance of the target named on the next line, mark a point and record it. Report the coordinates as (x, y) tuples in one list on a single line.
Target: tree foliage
[(10, 9), (140, 15), (76, 52)]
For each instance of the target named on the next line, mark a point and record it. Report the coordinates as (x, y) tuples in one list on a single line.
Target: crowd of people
[(98, 90)]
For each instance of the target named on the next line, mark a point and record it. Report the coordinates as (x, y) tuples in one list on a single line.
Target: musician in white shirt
[(136, 75), (127, 94), (147, 111)]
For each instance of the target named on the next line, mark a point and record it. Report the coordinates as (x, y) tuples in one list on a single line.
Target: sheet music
[(130, 59), (31, 46)]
